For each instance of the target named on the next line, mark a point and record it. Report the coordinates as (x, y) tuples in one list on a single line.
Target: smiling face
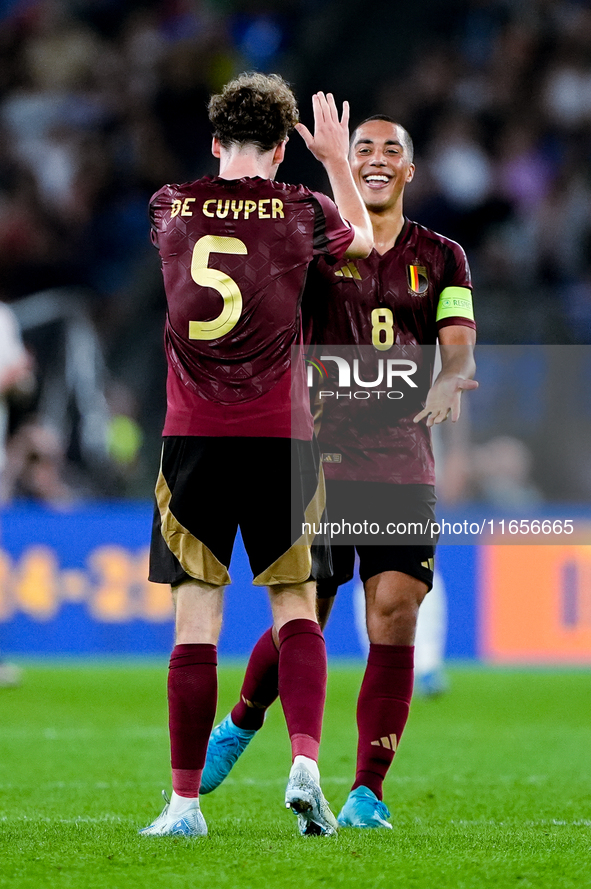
[(381, 164)]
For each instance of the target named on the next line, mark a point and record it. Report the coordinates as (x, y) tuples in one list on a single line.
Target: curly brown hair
[(256, 108)]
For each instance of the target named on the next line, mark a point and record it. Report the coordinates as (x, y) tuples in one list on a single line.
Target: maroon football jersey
[(234, 257), (391, 305)]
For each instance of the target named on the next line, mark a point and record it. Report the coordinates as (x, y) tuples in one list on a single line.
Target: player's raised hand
[(331, 133), (330, 145), (444, 399)]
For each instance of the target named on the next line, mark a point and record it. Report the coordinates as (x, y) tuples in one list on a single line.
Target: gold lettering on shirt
[(222, 213), (186, 211), (176, 208), (237, 208)]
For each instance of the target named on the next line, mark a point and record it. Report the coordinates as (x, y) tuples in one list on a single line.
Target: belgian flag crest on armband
[(418, 280)]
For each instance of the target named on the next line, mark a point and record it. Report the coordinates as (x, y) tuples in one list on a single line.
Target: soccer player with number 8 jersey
[(412, 291), (238, 437)]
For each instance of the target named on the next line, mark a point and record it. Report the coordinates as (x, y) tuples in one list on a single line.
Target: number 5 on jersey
[(225, 286)]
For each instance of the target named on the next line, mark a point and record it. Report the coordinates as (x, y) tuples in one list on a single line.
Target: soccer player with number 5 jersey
[(238, 437)]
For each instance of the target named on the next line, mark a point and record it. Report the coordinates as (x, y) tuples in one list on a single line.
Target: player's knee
[(393, 622), (304, 590), (402, 608), (293, 602)]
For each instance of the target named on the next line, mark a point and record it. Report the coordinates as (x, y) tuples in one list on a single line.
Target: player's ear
[(411, 173), (215, 147), (279, 153)]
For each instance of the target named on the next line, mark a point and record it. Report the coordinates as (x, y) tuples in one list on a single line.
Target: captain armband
[(455, 302)]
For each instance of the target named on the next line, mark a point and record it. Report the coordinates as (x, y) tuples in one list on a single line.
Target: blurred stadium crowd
[(101, 102)]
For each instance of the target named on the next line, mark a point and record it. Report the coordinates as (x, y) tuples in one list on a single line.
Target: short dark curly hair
[(256, 108)]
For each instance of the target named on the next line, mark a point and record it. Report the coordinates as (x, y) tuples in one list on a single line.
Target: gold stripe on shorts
[(195, 558), (295, 565)]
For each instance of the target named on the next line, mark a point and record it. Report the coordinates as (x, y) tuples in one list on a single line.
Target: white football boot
[(305, 798), (179, 818)]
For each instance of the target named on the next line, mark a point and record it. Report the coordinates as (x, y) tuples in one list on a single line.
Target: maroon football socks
[(302, 684), (192, 700), (382, 711), (301, 664), (382, 708), (260, 686)]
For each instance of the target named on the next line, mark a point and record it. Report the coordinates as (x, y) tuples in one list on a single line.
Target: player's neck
[(242, 163), (386, 228)]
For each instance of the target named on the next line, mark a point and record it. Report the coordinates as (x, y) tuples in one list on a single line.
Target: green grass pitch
[(491, 787)]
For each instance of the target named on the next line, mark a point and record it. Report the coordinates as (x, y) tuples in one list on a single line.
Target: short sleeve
[(159, 202), (332, 233), (455, 303)]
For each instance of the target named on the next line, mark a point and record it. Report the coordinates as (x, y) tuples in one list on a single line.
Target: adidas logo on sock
[(390, 742)]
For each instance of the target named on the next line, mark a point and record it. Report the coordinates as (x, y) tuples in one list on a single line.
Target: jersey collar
[(404, 235)]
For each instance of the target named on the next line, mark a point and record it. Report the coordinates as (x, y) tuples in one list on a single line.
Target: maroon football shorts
[(207, 488)]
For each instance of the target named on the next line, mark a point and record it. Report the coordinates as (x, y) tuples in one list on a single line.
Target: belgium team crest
[(418, 280)]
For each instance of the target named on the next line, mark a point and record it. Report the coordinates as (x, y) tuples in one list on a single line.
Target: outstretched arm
[(330, 145), (456, 344)]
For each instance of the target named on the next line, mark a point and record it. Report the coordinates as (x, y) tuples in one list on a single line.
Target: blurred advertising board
[(536, 604), (75, 583)]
